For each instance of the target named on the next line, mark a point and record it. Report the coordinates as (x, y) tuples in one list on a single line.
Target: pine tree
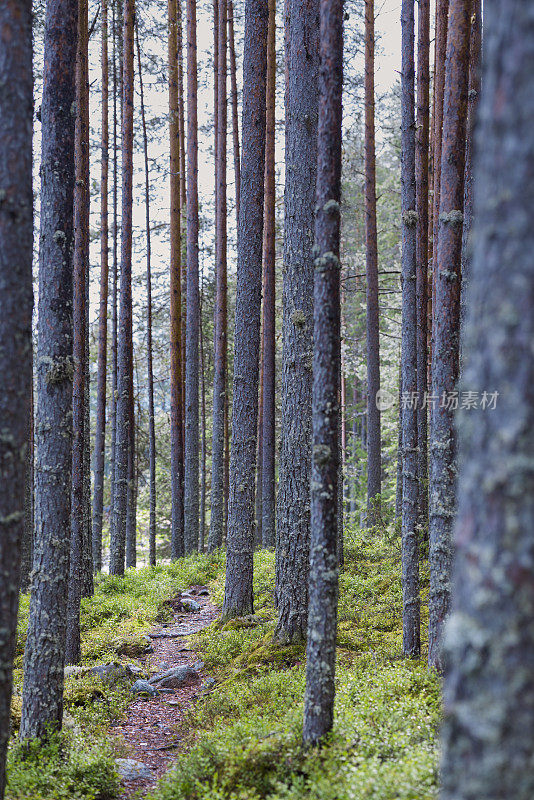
[(293, 509), (45, 643), (235, 116), (16, 301), (322, 622), (446, 322), (489, 639), (240, 537)]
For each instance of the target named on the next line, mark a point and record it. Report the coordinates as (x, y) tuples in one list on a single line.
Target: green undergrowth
[(79, 762), (244, 737)]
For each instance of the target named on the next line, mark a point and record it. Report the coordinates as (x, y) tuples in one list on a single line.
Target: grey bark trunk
[(488, 736), (16, 301), (293, 509), (45, 644)]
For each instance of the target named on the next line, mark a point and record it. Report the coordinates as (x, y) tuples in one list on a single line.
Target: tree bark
[(220, 321), (240, 538), (16, 302), (100, 422), (374, 454), (45, 644), (177, 447), (421, 248), (411, 636), (124, 356), (202, 530), (268, 492), (131, 495), (446, 323), (191, 500), (322, 622), (27, 544), (489, 638), (293, 511), (80, 259)]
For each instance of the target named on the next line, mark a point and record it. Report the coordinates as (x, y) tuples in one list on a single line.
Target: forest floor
[(149, 729), (235, 731)]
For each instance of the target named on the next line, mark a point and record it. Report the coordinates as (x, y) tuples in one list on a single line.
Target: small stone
[(131, 770), (198, 665), (72, 670), (144, 687), (188, 604), (174, 678), (209, 683), (111, 673)]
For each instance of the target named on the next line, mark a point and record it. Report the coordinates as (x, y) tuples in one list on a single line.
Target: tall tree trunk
[(475, 55), (124, 356), (87, 557), (114, 321), (374, 454), (268, 493), (446, 325), (177, 447), (45, 644), (100, 424), (489, 639), (411, 624), (220, 321), (16, 301), (293, 511), (421, 247), (259, 437), (235, 114), (322, 622), (131, 496), (191, 499), (202, 531), (240, 539), (81, 256), (27, 544), (150, 368)]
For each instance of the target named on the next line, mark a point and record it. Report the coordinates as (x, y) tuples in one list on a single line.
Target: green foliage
[(245, 735), (61, 768)]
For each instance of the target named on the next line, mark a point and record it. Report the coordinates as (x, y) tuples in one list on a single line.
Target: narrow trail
[(150, 728)]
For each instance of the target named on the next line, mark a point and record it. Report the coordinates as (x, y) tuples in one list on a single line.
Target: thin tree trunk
[(150, 369), (100, 424), (322, 622), (87, 553), (268, 492), (191, 498), (177, 447), (489, 697), (259, 436), (421, 247), (27, 544), (235, 114), (202, 532), (220, 321), (131, 501), (45, 643), (411, 623), (114, 329), (16, 301), (124, 356), (446, 326), (293, 511), (81, 255), (374, 455), (240, 540)]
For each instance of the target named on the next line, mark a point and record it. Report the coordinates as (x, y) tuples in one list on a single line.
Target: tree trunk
[(131, 497), (322, 622), (446, 325), (45, 644), (124, 356), (489, 639), (411, 635), (235, 115), (421, 248), (293, 511), (177, 449), (100, 424), (220, 321), (27, 544), (202, 531), (259, 436), (191, 500), (268, 492), (16, 302), (150, 369), (240, 539), (374, 454)]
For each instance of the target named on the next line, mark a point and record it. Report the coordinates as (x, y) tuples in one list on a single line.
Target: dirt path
[(150, 728)]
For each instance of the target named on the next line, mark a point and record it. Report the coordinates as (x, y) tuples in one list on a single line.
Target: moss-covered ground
[(242, 739)]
